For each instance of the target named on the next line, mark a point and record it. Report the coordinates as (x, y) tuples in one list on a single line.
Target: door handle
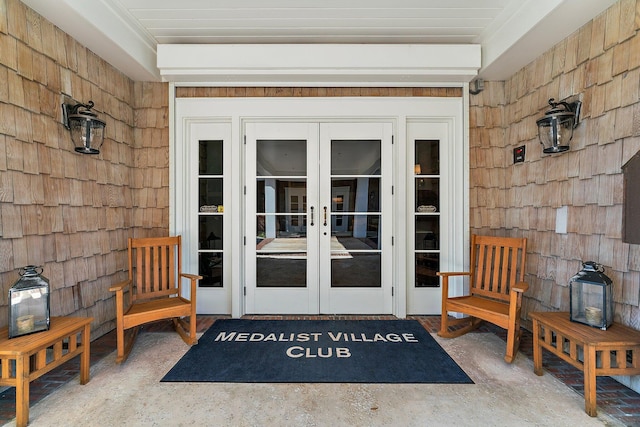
[(312, 216), (325, 216)]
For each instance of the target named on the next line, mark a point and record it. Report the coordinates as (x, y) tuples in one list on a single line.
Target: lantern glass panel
[(591, 303), (87, 134), (555, 132)]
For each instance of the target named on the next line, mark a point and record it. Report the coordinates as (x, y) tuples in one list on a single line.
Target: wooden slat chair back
[(496, 265), (152, 268), (496, 286), (153, 291)]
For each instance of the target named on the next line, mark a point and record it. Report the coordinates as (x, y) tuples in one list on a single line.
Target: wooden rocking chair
[(496, 283), (154, 292)]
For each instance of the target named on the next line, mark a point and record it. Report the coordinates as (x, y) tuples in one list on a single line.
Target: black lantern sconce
[(555, 129), (87, 130)]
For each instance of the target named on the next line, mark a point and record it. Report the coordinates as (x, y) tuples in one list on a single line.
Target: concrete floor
[(131, 394)]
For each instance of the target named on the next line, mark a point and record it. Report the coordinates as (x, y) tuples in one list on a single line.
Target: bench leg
[(537, 349), (22, 391), (590, 381), (85, 359)]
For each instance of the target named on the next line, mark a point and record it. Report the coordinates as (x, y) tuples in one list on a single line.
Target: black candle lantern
[(591, 299), (29, 303)]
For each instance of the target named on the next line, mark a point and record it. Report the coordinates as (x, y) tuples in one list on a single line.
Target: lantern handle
[(75, 109), (29, 268), (592, 265), (564, 104)]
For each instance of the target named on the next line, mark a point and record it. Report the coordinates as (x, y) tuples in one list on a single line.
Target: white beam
[(532, 29), (106, 31), (319, 64)]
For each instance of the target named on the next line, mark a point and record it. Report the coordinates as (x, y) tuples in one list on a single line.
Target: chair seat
[(495, 312), (149, 311)]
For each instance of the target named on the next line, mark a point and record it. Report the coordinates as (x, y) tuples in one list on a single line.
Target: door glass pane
[(355, 157), (211, 213), (281, 270), (427, 157), (210, 157), (210, 267), (427, 232), (281, 158), (427, 265), (281, 213), (276, 195), (356, 270), (210, 192), (355, 194), (427, 195), (360, 232), (355, 213), (210, 228), (427, 213)]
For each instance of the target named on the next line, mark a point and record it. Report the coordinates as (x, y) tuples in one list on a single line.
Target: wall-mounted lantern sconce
[(555, 129), (87, 130)]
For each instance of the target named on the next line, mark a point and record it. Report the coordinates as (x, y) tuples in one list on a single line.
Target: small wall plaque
[(518, 154)]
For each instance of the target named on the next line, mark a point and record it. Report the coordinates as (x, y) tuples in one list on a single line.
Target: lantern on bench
[(29, 303), (591, 299)]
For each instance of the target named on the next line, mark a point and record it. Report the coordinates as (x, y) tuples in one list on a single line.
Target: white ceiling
[(511, 33)]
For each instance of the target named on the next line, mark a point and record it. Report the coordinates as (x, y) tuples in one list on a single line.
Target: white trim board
[(402, 65)]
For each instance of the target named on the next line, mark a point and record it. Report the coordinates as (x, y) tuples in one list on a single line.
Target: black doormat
[(317, 351)]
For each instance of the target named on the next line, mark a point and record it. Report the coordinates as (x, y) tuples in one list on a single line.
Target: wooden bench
[(24, 359), (595, 352), (496, 285)]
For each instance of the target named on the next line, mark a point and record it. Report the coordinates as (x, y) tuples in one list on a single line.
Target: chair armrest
[(453, 273), (520, 287), (194, 280), (445, 284), (120, 286)]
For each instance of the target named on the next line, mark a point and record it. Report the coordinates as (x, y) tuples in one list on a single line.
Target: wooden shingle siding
[(67, 212), (600, 62)]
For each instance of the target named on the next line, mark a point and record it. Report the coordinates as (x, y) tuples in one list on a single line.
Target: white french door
[(318, 217)]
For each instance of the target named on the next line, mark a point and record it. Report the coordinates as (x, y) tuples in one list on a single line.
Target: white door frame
[(188, 111)]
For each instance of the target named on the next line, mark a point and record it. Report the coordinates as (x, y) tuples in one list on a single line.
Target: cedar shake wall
[(600, 62), (72, 213), (150, 173)]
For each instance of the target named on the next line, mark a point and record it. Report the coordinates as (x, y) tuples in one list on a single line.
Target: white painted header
[(319, 64)]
